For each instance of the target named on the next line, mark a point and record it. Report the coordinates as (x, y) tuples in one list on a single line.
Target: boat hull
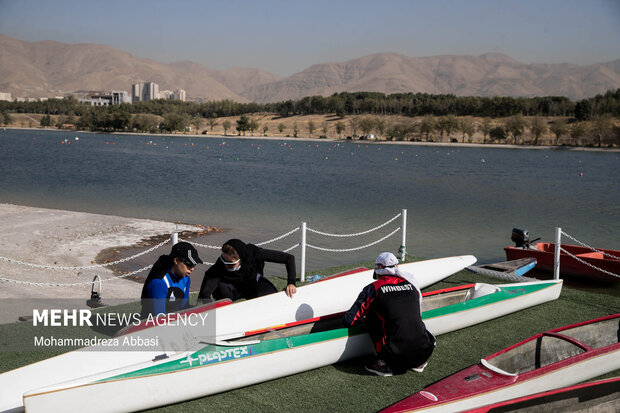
[(544, 253), (233, 320), (483, 384), (140, 383), (599, 396)]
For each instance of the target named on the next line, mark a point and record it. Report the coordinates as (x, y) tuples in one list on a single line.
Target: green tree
[(583, 109), (427, 126), (485, 128), (226, 125), (120, 120), (340, 128), (174, 121), (281, 127), (143, 123), (46, 121), (466, 126), (559, 128), (355, 124), (497, 133), (448, 124), (379, 127), (515, 126), (324, 128), (253, 125), (212, 122), (578, 131), (600, 126), (537, 127), (295, 129), (265, 129), (367, 125), (311, 127), (243, 124)]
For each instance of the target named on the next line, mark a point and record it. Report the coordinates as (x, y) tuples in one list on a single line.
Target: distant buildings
[(173, 95), (143, 92), (140, 92), (106, 98)]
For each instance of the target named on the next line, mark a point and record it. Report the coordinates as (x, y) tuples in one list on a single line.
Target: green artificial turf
[(348, 387)]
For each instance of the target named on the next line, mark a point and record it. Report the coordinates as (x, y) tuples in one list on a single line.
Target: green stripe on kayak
[(212, 354), (505, 293)]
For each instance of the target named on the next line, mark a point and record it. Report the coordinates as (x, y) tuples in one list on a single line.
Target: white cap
[(387, 259)]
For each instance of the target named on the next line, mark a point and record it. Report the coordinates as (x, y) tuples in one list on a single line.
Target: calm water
[(459, 200)]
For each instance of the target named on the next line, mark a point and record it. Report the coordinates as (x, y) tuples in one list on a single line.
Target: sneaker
[(419, 369), (379, 367)]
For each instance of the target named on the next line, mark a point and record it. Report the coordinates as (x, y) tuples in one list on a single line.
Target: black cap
[(186, 251)]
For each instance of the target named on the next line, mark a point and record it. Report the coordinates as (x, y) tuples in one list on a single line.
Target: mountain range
[(49, 68)]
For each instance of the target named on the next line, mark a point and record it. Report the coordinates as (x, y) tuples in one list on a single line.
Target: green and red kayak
[(217, 366)]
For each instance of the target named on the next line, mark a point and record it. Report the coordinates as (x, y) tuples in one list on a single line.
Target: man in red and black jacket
[(391, 307)]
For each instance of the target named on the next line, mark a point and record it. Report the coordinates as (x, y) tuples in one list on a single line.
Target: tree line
[(167, 115)]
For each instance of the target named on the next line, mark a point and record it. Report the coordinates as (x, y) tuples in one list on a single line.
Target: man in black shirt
[(391, 307), (238, 273)]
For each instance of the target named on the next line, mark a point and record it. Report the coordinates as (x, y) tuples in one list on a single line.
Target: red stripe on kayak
[(447, 290), (292, 324)]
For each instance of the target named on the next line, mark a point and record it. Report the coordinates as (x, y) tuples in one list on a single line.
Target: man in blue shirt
[(166, 289)]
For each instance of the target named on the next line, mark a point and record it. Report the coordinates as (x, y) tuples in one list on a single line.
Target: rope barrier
[(356, 248), (37, 284), (588, 264), (292, 248), (259, 244), (279, 238), (355, 234), (592, 248), (82, 267), (94, 266)]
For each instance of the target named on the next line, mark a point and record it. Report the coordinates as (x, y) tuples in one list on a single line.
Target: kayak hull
[(138, 387)]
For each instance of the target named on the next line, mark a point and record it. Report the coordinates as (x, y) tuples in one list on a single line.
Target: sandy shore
[(62, 238)]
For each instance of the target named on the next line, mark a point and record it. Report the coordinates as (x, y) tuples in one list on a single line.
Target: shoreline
[(338, 140), (40, 238)]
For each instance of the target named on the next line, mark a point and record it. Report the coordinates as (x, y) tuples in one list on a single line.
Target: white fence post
[(303, 252), (556, 260), (175, 238), (403, 243)]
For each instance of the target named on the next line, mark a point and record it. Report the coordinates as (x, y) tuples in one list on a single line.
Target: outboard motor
[(521, 238)]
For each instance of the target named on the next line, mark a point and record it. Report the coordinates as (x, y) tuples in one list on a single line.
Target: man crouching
[(391, 307)]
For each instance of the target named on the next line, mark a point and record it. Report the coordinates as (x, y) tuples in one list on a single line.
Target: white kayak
[(318, 299), (278, 352)]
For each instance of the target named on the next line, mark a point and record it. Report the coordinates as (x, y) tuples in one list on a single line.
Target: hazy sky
[(287, 36)]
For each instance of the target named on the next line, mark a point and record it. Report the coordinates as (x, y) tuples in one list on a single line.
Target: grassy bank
[(394, 127), (348, 387)]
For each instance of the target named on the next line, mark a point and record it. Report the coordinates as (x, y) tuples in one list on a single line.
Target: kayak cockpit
[(552, 347), (431, 302)]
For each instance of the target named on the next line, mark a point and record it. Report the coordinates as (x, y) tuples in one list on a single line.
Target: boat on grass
[(598, 396), (221, 365), (506, 269), (600, 264), (549, 360), (215, 320)]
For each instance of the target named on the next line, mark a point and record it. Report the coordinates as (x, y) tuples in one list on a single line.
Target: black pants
[(400, 363), (226, 290)]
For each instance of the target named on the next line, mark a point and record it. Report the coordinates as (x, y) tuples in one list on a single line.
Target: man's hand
[(290, 290)]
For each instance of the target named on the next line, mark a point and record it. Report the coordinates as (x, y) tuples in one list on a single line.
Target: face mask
[(235, 268)]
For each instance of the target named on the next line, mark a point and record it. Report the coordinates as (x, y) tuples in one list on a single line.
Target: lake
[(459, 200)]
